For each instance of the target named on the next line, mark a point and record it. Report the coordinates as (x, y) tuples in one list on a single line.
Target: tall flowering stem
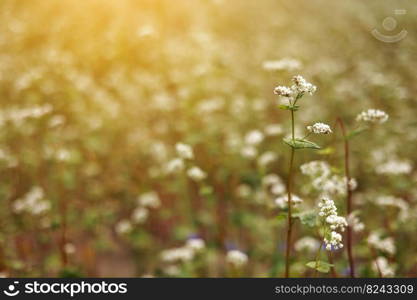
[(349, 242), (289, 218), (292, 94)]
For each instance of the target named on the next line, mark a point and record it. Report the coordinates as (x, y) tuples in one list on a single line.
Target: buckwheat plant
[(292, 95), (371, 117), (330, 225)]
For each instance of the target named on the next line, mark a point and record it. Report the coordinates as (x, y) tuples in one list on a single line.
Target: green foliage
[(320, 266), (300, 143)]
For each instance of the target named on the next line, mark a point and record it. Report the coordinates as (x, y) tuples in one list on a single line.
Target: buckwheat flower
[(174, 166), (254, 137), (273, 129), (267, 158), (149, 199), (236, 258), (380, 264), (288, 64), (355, 223), (316, 168), (307, 243), (196, 174), (302, 86), (282, 201), (332, 222), (319, 128), (196, 244), (172, 270), (123, 227), (182, 254), (278, 189), (271, 179), (139, 215), (397, 202), (184, 151), (283, 91), (69, 248), (373, 116), (386, 245), (394, 167), (249, 151), (333, 185), (334, 241)]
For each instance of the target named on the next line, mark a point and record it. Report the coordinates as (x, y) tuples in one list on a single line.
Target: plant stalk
[(348, 198)]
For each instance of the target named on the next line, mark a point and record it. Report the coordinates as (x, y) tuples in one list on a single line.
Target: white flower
[(355, 223), (316, 168), (266, 158), (249, 152), (302, 86), (123, 226), (394, 167), (283, 91), (333, 222), (307, 243), (319, 128), (69, 248), (33, 202), (182, 254), (174, 166), (273, 129), (386, 245), (282, 201), (184, 151), (288, 64), (236, 258), (278, 189), (196, 173), (139, 215), (150, 199), (381, 265), (254, 137), (196, 244), (373, 116)]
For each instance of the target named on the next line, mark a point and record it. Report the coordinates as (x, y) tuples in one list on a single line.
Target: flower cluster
[(394, 167), (307, 243), (236, 258), (299, 88), (288, 64), (324, 181), (332, 223), (184, 253), (33, 202), (319, 128), (386, 245), (373, 116), (185, 153), (282, 201)]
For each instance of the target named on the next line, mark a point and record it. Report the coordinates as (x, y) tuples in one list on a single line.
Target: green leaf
[(289, 107), (326, 151), (355, 132), (301, 144), (282, 216), (307, 218), (321, 266)]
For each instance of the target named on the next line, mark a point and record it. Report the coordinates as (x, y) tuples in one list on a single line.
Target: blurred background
[(96, 94)]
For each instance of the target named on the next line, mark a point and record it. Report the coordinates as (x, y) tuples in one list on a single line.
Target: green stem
[(348, 198), (289, 231), (317, 259)]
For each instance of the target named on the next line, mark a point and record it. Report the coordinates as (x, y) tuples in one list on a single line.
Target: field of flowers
[(208, 138)]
